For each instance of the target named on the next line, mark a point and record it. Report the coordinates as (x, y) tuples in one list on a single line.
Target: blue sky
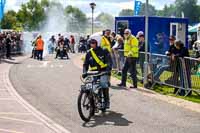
[(111, 6)]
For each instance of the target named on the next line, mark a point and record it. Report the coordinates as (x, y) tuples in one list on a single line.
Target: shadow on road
[(108, 118), (116, 88)]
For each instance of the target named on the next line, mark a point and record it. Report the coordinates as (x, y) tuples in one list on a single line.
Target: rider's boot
[(106, 97)]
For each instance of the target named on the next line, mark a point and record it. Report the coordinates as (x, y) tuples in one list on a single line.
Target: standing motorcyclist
[(99, 59)]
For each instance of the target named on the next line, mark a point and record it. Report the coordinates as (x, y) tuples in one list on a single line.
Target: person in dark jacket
[(91, 63), (66, 45), (8, 46), (172, 47), (141, 54), (179, 54)]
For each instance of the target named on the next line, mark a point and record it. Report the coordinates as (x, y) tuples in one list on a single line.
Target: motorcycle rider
[(98, 59)]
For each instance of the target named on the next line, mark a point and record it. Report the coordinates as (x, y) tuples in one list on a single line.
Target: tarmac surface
[(52, 87), (16, 115)]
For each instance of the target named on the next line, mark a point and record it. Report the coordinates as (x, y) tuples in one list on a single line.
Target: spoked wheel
[(85, 106)]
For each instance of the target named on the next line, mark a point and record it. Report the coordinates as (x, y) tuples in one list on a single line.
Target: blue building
[(160, 28)]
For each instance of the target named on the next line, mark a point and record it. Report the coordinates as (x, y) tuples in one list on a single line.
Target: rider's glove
[(84, 75)]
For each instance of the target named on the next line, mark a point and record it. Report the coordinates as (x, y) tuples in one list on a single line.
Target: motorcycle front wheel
[(85, 106)]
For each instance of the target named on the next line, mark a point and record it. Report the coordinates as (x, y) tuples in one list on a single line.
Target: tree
[(189, 8), (45, 3), (77, 19), (151, 11), (31, 15), (9, 20), (167, 11), (126, 12), (106, 19), (130, 12)]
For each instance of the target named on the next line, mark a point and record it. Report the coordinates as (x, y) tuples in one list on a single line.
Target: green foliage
[(29, 17), (130, 12), (106, 19), (167, 11), (45, 3), (77, 19), (9, 20), (126, 12), (151, 11), (31, 14), (189, 8)]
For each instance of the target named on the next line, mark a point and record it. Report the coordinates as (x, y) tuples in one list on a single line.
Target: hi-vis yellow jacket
[(131, 48), (98, 61), (105, 43)]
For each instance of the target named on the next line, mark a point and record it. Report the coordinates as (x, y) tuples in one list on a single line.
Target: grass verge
[(164, 90)]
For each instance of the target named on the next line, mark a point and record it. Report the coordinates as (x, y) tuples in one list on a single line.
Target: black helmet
[(93, 41)]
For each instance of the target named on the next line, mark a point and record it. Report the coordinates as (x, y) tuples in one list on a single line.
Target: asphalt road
[(52, 87)]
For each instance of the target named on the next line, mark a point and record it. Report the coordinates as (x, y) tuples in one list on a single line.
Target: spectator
[(67, 42), (131, 53), (113, 40), (82, 45), (52, 43), (106, 40), (172, 63), (34, 51), (87, 42), (196, 49), (118, 51), (167, 63), (40, 48), (8, 46), (72, 43), (180, 53), (141, 50)]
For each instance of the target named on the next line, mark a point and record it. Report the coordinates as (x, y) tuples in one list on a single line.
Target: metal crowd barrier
[(183, 74), (16, 49), (192, 73)]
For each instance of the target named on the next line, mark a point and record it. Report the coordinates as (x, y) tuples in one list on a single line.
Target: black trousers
[(130, 64), (106, 95), (8, 52), (40, 54)]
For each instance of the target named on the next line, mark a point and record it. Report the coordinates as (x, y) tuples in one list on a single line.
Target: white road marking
[(10, 131), (45, 64), (29, 66), (51, 66), (44, 119), (13, 113), (61, 66), (7, 99), (20, 120)]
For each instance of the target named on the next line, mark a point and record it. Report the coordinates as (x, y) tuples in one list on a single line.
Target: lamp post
[(92, 5), (146, 42)]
